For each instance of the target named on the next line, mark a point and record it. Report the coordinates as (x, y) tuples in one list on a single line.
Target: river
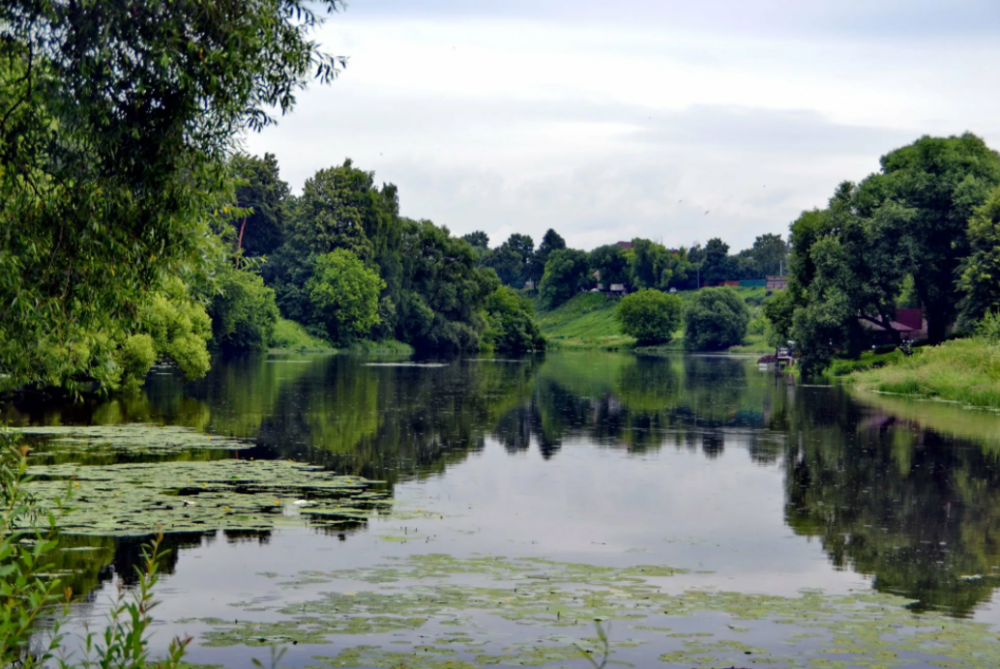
[(702, 511)]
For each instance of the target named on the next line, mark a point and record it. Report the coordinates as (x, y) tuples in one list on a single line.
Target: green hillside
[(587, 321)]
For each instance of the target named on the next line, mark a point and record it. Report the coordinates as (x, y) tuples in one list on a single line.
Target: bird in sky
[(706, 213)]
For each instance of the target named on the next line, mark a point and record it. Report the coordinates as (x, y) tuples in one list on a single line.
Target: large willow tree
[(115, 118)]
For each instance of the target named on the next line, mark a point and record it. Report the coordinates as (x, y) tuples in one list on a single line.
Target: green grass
[(387, 347), (964, 370), (588, 322), (292, 336), (844, 367)]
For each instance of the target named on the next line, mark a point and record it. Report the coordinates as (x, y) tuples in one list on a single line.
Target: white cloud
[(507, 122)]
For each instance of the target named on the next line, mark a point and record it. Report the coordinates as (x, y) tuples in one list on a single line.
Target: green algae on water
[(143, 499), (131, 438), (424, 594)]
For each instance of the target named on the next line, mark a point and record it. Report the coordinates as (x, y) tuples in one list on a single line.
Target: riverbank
[(966, 371), (587, 322), (290, 336)]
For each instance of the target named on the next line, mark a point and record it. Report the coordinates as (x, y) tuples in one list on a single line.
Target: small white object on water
[(301, 502)]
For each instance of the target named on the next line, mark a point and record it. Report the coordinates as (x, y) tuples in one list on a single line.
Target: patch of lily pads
[(252, 495), (449, 611), (131, 438)]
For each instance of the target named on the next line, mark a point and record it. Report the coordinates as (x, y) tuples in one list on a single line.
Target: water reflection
[(908, 496)]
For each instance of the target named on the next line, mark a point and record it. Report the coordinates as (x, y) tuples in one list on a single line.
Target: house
[(529, 285), (617, 289), (626, 245), (910, 323), (776, 283)]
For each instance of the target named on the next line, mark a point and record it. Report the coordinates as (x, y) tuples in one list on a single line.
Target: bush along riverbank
[(966, 371)]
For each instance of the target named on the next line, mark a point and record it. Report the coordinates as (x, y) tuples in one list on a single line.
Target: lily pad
[(142, 499), (132, 438)]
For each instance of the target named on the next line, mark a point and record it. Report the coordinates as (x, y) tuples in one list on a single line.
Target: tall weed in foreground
[(989, 327), (33, 603)]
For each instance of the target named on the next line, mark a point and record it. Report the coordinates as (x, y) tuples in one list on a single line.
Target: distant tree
[(261, 190), (779, 310), (565, 273), (550, 242), (344, 295), (715, 319), (770, 254), (512, 260), (980, 278), (650, 316), (717, 265), (611, 262), (512, 326), (477, 238), (649, 265)]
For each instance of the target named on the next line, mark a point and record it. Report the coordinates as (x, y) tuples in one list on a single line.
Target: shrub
[(512, 327), (715, 320), (650, 316), (344, 296), (243, 313)]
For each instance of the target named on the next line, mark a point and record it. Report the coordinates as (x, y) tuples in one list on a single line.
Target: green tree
[(779, 310), (512, 326), (611, 264), (715, 319), (649, 265), (243, 312), (260, 190), (114, 121), (550, 242), (980, 278), (770, 255), (650, 316), (717, 265), (179, 327), (344, 296), (477, 239), (512, 260), (940, 182), (565, 273)]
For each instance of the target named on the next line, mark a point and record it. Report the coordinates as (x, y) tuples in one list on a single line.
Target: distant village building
[(529, 285), (776, 283), (617, 289), (909, 323), (626, 245)]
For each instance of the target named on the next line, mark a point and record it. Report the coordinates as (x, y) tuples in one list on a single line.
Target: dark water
[(753, 483)]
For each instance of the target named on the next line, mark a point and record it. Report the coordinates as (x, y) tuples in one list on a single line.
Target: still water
[(691, 505)]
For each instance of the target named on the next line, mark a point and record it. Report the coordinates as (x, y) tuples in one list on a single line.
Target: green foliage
[(980, 278), (715, 320), (650, 316), (343, 294), (989, 327), (611, 264), (243, 312), (770, 254), (938, 183), (137, 357), (565, 274), (513, 260), (113, 126), (717, 265), (260, 190), (179, 327), (552, 241), (512, 326), (779, 311)]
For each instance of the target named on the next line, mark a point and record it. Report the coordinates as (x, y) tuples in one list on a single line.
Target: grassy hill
[(587, 321)]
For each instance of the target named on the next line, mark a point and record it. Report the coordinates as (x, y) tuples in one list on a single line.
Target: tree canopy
[(715, 319), (650, 316)]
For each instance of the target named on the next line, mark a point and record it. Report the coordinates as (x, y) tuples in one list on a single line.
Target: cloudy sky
[(610, 120)]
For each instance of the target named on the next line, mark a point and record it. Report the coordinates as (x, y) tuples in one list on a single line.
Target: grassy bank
[(588, 322), (964, 370), (292, 336)]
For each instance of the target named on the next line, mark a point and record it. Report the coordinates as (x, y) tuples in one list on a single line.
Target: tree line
[(922, 232)]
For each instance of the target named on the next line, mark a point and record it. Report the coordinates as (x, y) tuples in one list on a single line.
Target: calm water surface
[(748, 481)]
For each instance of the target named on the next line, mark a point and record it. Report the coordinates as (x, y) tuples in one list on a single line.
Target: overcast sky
[(611, 120)]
